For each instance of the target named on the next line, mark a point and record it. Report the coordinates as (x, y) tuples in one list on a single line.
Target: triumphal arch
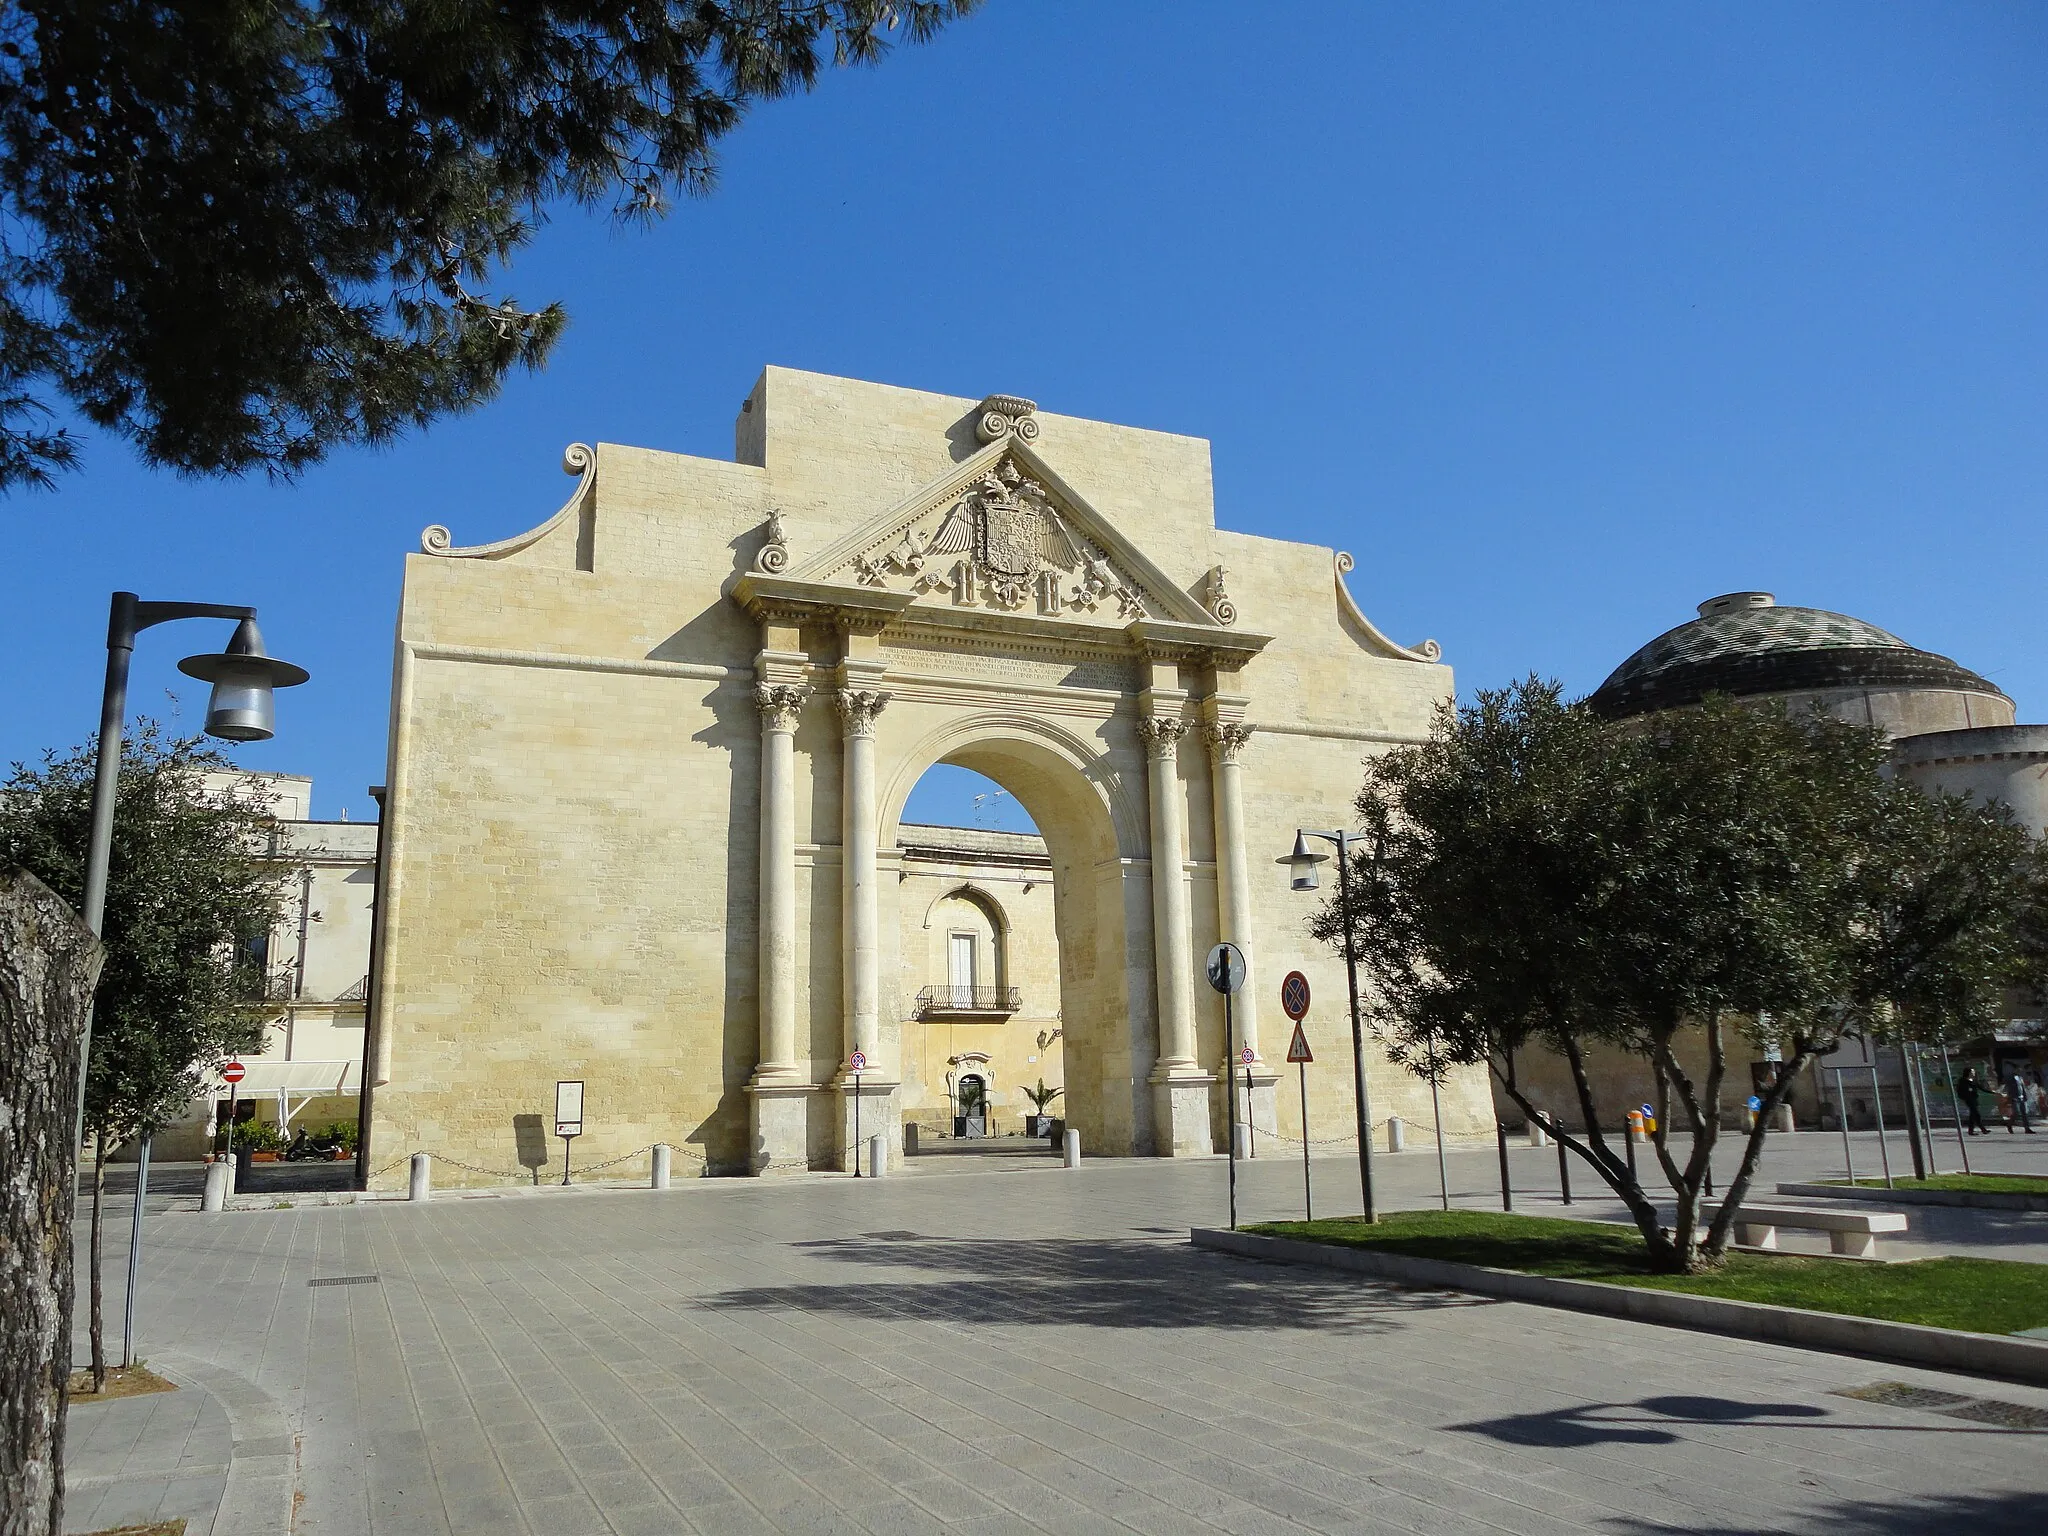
[(649, 762)]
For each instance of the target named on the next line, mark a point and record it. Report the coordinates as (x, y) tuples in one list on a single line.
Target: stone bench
[(1849, 1232)]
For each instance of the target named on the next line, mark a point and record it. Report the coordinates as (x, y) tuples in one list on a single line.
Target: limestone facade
[(649, 762)]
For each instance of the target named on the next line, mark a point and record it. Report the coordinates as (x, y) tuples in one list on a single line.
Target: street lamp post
[(1303, 862), (239, 710)]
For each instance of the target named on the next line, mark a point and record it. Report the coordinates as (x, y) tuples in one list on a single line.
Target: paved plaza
[(980, 1346)]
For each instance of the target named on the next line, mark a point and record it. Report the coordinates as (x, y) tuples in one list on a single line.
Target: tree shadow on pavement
[(1968, 1514), (1095, 1284), (1656, 1420)]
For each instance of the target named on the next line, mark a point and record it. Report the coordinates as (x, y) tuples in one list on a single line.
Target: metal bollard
[(422, 1184), (1397, 1134), (878, 1156), (1073, 1149), (219, 1182), (659, 1178), (1507, 1192), (910, 1138), (1536, 1136)]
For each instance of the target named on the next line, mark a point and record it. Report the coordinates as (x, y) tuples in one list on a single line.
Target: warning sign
[(1297, 1048)]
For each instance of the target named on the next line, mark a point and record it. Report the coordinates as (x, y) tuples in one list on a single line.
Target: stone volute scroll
[(772, 559), (1217, 600), (577, 459), (1368, 633), (1001, 416)]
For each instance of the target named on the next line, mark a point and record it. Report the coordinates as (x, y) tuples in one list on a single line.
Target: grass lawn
[(1969, 1183), (1979, 1295)]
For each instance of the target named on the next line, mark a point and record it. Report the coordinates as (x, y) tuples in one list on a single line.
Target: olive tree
[(187, 889), (1538, 879)]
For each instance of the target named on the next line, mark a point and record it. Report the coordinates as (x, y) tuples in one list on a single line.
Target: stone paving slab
[(160, 1456), (1003, 1351)]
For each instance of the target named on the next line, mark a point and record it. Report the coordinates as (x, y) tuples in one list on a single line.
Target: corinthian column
[(1172, 942), (858, 708), (778, 704), (1233, 878)]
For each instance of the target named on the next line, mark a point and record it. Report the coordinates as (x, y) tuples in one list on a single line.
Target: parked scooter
[(312, 1149)]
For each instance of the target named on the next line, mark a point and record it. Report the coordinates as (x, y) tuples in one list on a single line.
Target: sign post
[(1251, 1135), (568, 1119), (1294, 1003), (1226, 975), (232, 1074), (857, 1063)]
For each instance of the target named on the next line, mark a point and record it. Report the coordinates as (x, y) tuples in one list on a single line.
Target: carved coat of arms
[(1016, 546)]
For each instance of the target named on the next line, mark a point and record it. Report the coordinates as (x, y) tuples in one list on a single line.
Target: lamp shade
[(1303, 862), (243, 681)]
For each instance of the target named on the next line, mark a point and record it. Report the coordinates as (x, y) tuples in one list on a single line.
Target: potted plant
[(1039, 1123)]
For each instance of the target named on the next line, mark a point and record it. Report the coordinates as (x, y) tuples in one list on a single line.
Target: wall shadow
[(530, 1136), (1075, 1283)]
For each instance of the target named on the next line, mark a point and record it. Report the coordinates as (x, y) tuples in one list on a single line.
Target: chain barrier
[(522, 1175)]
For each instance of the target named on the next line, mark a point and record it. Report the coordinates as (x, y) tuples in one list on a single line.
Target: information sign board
[(569, 1108)]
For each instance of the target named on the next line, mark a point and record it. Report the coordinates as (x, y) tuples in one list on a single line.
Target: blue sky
[(1560, 317)]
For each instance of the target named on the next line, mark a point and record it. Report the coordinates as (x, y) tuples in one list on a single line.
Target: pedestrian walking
[(2017, 1092), (1967, 1089)]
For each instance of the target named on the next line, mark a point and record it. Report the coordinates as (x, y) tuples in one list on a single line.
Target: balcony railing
[(937, 1002)]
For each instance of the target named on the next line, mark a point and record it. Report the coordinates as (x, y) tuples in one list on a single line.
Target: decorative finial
[(773, 556), (1004, 416), (1217, 601)]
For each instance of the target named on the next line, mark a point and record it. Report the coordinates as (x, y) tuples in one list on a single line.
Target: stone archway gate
[(647, 761)]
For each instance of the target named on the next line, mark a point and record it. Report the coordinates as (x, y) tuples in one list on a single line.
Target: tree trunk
[(1753, 1151), (1915, 1111), (99, 1312), (49, 965), (1593, 1149)]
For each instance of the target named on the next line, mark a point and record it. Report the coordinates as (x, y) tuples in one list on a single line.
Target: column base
[(881, 1114), (1180, 1114), (781, 1120)]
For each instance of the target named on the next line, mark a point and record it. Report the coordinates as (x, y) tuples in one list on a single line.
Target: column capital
[(1227, 738), (779, 704), (1161, 733), (857, 709)]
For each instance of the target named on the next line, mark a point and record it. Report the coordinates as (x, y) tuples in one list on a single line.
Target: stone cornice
[(850, 610)]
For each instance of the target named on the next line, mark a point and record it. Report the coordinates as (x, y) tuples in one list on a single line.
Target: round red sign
[(1294, 996), (233, 1072)]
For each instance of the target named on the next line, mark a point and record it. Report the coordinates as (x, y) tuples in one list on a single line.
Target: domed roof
[(1744, 644)]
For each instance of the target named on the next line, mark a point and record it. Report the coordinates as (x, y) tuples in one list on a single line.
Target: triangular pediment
[(1003, 532)]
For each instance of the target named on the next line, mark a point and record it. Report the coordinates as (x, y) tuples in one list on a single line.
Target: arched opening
[(1014, 977)]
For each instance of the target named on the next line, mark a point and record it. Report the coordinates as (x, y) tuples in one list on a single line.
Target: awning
[(268, 1075)]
